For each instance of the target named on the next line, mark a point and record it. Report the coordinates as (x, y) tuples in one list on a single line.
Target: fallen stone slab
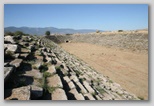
[(54, 81), (16, 62), (77, 95), (7, 72), (88, 96), (88, 87), (36, 92), (21, 93), (59, 94)]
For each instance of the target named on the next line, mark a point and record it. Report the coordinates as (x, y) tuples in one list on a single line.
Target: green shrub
[(9, 33), (46, 74), (120, 30), (43, 68), (97, 31), (18, 33), (141, 98), (47, 33)]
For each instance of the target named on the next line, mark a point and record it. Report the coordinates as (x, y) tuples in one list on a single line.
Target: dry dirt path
[(128, 69)]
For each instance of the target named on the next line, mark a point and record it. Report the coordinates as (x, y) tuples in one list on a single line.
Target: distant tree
[(47, 33), (9, 33), (18, 33), (120, 30), (97, 31)]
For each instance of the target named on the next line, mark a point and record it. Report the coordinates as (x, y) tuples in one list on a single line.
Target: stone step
[(66, 79), (88, 96), (54, 81), (74, 78), (98, 98), (71, 85), (82, 89), (88, 87), (34, 73), (51, 69), (77, 95), (59, 94)]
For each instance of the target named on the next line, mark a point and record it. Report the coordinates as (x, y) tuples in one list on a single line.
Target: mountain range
[(41, 31)]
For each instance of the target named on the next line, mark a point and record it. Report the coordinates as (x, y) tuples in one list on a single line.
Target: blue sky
[(77, 16)]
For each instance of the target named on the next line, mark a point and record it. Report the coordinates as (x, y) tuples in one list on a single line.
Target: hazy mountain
[(41, 31)]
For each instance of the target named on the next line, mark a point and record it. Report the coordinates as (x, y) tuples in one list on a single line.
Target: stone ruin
[(35, 68)]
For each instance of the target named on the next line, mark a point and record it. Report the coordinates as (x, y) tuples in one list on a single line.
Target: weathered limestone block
[(38, 63), (82, 89), (77, 95), (89, 96), (64, 72), (7, 72), (66, 79), (98, 98), (54, 81), (33, 73), (16, 62), (74, 78), (88, 87), (59, 94), (23, 56), (36, 92), (71, 85), (48, 59), (12, 48), (8, 39), (51, 69), (22, 93), (25, 50), (106, 97)]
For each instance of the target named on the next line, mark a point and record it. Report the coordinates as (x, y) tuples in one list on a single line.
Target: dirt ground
[(127, 68)]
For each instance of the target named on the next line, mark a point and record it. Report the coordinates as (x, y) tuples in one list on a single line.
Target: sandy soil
[(127, 68)]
